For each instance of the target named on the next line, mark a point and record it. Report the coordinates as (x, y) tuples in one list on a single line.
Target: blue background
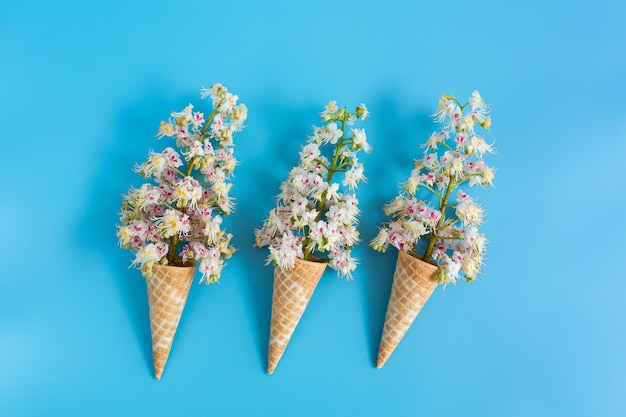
[(83, 88)]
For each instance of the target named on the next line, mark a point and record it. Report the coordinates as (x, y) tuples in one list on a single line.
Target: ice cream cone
[(413, 283), (168, 288), (293, 289)]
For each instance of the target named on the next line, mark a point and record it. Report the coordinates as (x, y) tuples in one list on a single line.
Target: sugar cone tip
[(272, 359), (168, 288), (380, 362)]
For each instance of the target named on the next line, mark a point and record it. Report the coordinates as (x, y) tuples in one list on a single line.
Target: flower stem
[(448, 146), (329, 176), (169, 206), (171, 253), (432, 190), (333, 165), (462, 106), (190, 166), (442, 206), (319, 161), (207, 123)]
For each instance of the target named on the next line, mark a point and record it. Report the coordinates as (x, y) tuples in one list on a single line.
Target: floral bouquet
[(173, 221), (315, 215), (437, 244)]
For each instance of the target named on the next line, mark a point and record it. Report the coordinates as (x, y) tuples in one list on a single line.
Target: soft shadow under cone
[(168, 288), (293, 289), (413, 283)]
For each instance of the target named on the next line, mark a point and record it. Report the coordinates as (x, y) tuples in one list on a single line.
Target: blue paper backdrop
[(83, 88)]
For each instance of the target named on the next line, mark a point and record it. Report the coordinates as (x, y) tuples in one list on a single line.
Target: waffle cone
[(293, 289), (168, 288), (413, 283)]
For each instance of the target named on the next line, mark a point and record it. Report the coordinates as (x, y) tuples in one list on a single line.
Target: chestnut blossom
[(316, 211), (176, 217), (453, 157)]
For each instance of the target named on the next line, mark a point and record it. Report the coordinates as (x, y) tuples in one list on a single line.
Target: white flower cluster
[(453, 241), (188, 194), (315, 215)]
